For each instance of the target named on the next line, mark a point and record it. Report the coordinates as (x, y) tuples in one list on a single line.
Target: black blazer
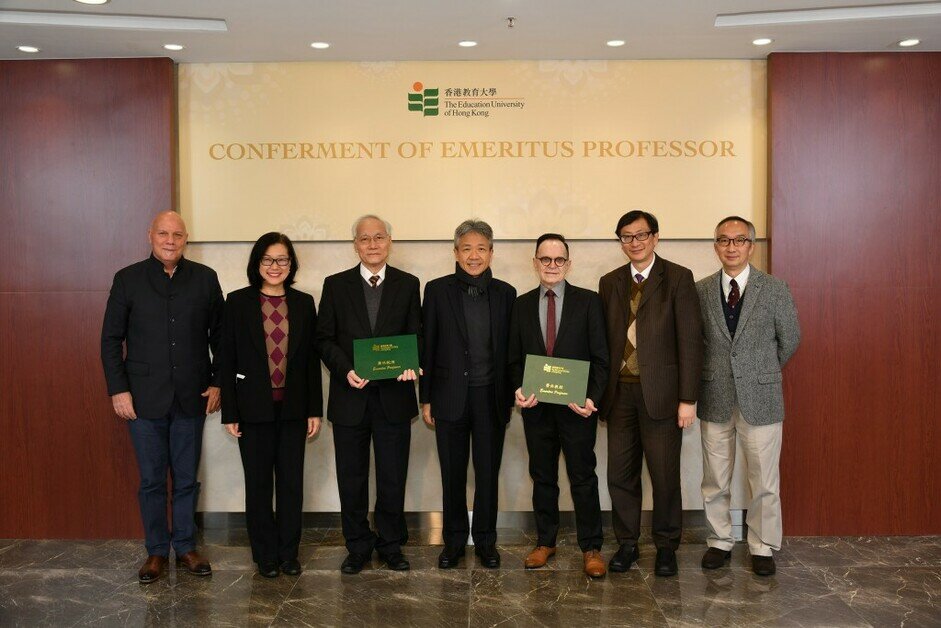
[(343, 318), (169, 326), (669, 335), (580, 337), (248, 398), (445, 356)]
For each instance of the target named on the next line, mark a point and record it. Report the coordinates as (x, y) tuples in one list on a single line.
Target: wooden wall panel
[(88, 156), (855, 217)]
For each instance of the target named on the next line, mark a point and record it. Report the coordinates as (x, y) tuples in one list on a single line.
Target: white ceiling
[(360, 30)]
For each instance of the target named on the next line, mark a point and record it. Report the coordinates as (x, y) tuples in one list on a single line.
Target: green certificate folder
[(386, 357), (556, 380)]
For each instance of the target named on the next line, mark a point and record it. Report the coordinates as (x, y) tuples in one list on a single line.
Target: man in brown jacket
[(654, 329)]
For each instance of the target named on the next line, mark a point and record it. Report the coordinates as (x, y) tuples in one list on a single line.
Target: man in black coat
[(166, 312), (465, 393), (372, 299), (561, 320)]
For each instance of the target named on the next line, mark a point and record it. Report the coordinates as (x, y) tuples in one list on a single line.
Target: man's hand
[(124, 406), (586, 411), (355, 380), (407, 376), (233, 429), (313, 426), (426, 415), (523, 401), (213, 396), (686, 414)]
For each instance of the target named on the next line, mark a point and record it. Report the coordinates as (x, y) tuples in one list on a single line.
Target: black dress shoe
[(450, 557), (268, 569), (354, 563), (666, 562), (396, 561), (715, 558), (763, 565), (291, 567), (623, 558), (489, 556)]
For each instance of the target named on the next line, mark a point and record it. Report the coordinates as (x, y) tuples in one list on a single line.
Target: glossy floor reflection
[(821, 581)]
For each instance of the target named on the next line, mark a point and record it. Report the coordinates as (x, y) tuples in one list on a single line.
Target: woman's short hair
[(258, 252)]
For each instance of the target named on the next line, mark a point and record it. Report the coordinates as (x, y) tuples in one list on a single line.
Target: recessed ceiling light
[(907, 43), (93, 1), (320, 45), (616, 43), (467, 43), (762, 41), (27, 48), (173, 46)]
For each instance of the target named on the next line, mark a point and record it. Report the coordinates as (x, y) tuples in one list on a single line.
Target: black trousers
[(390, 441), (481, 425), (632, 437), (556, 430), (273, 461)]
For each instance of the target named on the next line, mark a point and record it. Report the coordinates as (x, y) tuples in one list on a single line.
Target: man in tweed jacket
[(750, 330)]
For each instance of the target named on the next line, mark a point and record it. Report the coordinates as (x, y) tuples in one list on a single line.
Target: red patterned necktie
[(550, 323), (734, 294)]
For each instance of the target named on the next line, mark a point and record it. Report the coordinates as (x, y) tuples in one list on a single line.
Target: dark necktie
[(550, 323), (374, 280), (734, 294), (639, 278)]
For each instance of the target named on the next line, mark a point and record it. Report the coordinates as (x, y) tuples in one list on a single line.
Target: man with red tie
[(561, 320)]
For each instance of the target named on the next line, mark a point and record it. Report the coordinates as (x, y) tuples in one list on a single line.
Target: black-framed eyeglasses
[(739, 241), (559, 261), (283, 262), (627, 238)]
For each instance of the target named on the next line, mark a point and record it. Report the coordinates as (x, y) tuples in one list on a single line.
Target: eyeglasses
[(283, 262), (627, 238), (378, 238), (547, 261), (739, 241)]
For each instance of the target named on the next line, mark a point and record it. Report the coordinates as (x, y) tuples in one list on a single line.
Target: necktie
[(734, 294), (374, 280), (638, 278), (550, 323)]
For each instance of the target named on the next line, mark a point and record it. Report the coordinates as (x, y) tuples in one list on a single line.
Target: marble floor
[(821, 581)]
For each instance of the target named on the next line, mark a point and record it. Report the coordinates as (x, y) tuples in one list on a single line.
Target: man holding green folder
[(371, 300), (560, 320)]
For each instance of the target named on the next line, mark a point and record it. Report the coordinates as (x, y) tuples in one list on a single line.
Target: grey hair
[(751, 227), (357, 222), (473, 226)]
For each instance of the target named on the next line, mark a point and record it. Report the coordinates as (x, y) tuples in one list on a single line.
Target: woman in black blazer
[(271, 397)]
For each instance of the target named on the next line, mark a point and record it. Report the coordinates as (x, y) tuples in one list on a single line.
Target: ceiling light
[(616, 43), (467, 44), (100, 20), (762, 41), (173, 47), (803, 16), (320, 45), (27, 49), (908, 43), (93, 1)]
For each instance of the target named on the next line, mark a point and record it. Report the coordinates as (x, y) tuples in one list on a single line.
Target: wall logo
[(424, 100)]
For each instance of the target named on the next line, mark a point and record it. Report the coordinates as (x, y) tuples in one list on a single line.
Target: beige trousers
[(761, 445)]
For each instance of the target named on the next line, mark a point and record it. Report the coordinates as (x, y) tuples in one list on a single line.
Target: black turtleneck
[(476, 303)]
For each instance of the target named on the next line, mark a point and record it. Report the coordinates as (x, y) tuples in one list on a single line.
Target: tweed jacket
[(746, 370)]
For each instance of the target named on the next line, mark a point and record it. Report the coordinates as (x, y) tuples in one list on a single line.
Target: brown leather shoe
[(539, 557), (194, 563), (152, 569), (594, 564)]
